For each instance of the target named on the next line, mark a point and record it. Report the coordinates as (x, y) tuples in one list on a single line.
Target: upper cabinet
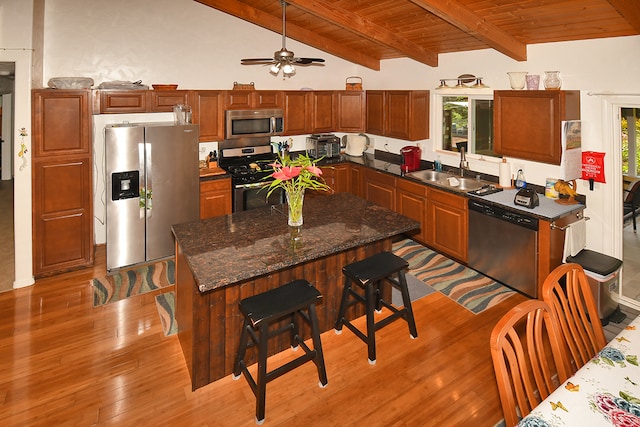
[(297, 112), (239, 99), (322, 111), (528, 123), (208, 112), (401, 114), (350, 113)]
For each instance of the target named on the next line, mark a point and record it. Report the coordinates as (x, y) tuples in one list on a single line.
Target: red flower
[(314, 170), (287, 173)]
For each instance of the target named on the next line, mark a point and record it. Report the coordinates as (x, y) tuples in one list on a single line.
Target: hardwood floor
[(64, 362)]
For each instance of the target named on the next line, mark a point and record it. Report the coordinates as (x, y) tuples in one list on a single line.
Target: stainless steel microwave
[(253, 123)]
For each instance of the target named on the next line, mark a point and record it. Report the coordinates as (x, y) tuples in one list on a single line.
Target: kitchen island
[(221, 260)]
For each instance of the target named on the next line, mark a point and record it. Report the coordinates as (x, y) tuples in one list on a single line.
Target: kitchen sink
[(463, 184), (428, 175)]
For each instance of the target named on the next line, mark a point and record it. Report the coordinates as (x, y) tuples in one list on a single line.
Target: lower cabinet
[(447, 223), (411, 201), (215, 198), (62, 214), (380, 188)]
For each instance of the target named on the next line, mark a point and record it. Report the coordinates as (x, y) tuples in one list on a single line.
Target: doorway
[(7, 227), (629, 121)]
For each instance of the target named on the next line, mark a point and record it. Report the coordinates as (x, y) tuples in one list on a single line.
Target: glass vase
[(552, 80), (295, 200)]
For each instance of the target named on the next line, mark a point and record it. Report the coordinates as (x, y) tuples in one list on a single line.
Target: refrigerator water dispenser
[(125, 185)]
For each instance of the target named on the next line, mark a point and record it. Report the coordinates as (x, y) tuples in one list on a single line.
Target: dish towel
[(575, 239)]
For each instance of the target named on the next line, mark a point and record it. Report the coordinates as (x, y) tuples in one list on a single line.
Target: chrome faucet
[(463, 162)]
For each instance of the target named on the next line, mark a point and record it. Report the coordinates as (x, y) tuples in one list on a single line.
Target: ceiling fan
[(283, 59)]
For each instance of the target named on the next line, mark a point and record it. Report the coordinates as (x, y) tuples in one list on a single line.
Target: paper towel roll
[(505, 174)]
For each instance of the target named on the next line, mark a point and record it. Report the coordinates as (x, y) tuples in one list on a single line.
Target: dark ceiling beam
[(476, 26), (270, 22), (367, 29), (629, 10)]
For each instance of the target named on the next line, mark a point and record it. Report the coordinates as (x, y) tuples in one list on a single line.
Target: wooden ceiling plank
[(630, 11), (475, 25), (270, 22), (366, 28)]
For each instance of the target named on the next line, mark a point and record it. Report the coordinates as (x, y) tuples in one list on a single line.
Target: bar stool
[(369, 274), (259, 312)]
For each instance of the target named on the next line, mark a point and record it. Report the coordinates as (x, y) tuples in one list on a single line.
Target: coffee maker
[(410, 158)]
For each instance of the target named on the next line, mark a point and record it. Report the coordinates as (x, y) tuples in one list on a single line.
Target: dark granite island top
[(220, 261), (225, 250)]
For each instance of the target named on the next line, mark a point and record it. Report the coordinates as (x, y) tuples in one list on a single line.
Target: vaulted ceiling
[(367, 31)]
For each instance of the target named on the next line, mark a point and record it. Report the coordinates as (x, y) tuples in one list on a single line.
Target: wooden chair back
[(528, 358), (567, 291)]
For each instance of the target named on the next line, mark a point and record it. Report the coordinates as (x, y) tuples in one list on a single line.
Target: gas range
[(256, 171), (247, 160)]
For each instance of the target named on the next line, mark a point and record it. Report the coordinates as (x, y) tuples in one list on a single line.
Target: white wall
[(15, 46), (195, 46)]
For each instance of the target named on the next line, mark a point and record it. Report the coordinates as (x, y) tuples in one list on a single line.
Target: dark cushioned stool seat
[(259, 311), (369, 274)]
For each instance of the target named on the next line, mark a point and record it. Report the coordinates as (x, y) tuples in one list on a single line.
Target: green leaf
[(633, 359)]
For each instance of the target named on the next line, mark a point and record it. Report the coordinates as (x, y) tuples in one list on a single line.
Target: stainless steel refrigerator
[(152, 183)]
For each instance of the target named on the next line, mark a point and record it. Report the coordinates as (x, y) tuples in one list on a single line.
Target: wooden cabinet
[(62, 184), (375, 112), (120, 101), (412, 202), (356, 180), (322, 111), (349, 111), (138, 101), (401, 114), (337, 177), (447, 223), (528, 124), (239, 99), (380, 188), (215, 198), (163, 101), (209, 114), (297, 112)]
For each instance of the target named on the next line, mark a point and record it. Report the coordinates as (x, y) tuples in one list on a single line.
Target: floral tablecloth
[(604, 392)]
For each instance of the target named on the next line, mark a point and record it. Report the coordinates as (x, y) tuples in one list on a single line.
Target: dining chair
[(632, 200), (567, 291), (526, 372)]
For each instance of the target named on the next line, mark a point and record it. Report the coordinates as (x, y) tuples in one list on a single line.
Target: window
[(467, 121)]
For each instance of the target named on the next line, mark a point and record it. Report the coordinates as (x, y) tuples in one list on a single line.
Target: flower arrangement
[(294, 176)]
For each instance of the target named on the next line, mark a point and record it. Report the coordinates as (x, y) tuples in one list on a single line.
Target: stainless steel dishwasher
[(503, 245)]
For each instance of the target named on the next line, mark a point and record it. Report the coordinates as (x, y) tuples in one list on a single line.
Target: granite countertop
[(548, 209), (228, 249)]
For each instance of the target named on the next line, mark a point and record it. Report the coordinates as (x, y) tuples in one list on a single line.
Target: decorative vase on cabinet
[(552, 80)]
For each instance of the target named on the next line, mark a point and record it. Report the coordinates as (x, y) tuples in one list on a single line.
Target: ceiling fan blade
[(257, 60), (307, 60)]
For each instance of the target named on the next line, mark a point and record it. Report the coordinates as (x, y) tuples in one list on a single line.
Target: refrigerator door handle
[(148, 180)]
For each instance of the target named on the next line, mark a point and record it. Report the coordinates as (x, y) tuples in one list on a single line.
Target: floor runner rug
[(467, 287), (165, 303), (417, 289), (131, 282)]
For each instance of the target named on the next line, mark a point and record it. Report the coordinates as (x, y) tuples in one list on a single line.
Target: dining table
[(603, 392)]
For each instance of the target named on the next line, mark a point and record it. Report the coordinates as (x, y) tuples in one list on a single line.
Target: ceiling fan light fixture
[(275, 69), (288, 70)]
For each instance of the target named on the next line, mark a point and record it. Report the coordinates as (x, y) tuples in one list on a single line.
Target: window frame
[(438, 103)]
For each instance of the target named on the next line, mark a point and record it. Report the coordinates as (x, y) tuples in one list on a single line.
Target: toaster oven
[(323, 145)]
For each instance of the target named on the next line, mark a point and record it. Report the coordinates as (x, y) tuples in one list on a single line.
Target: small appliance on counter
[(324, 145), (355, 145), (410, 158), (527, 197)]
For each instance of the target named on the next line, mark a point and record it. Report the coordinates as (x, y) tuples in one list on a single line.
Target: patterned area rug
[(127, 283), (165, 304), (467, 287)]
